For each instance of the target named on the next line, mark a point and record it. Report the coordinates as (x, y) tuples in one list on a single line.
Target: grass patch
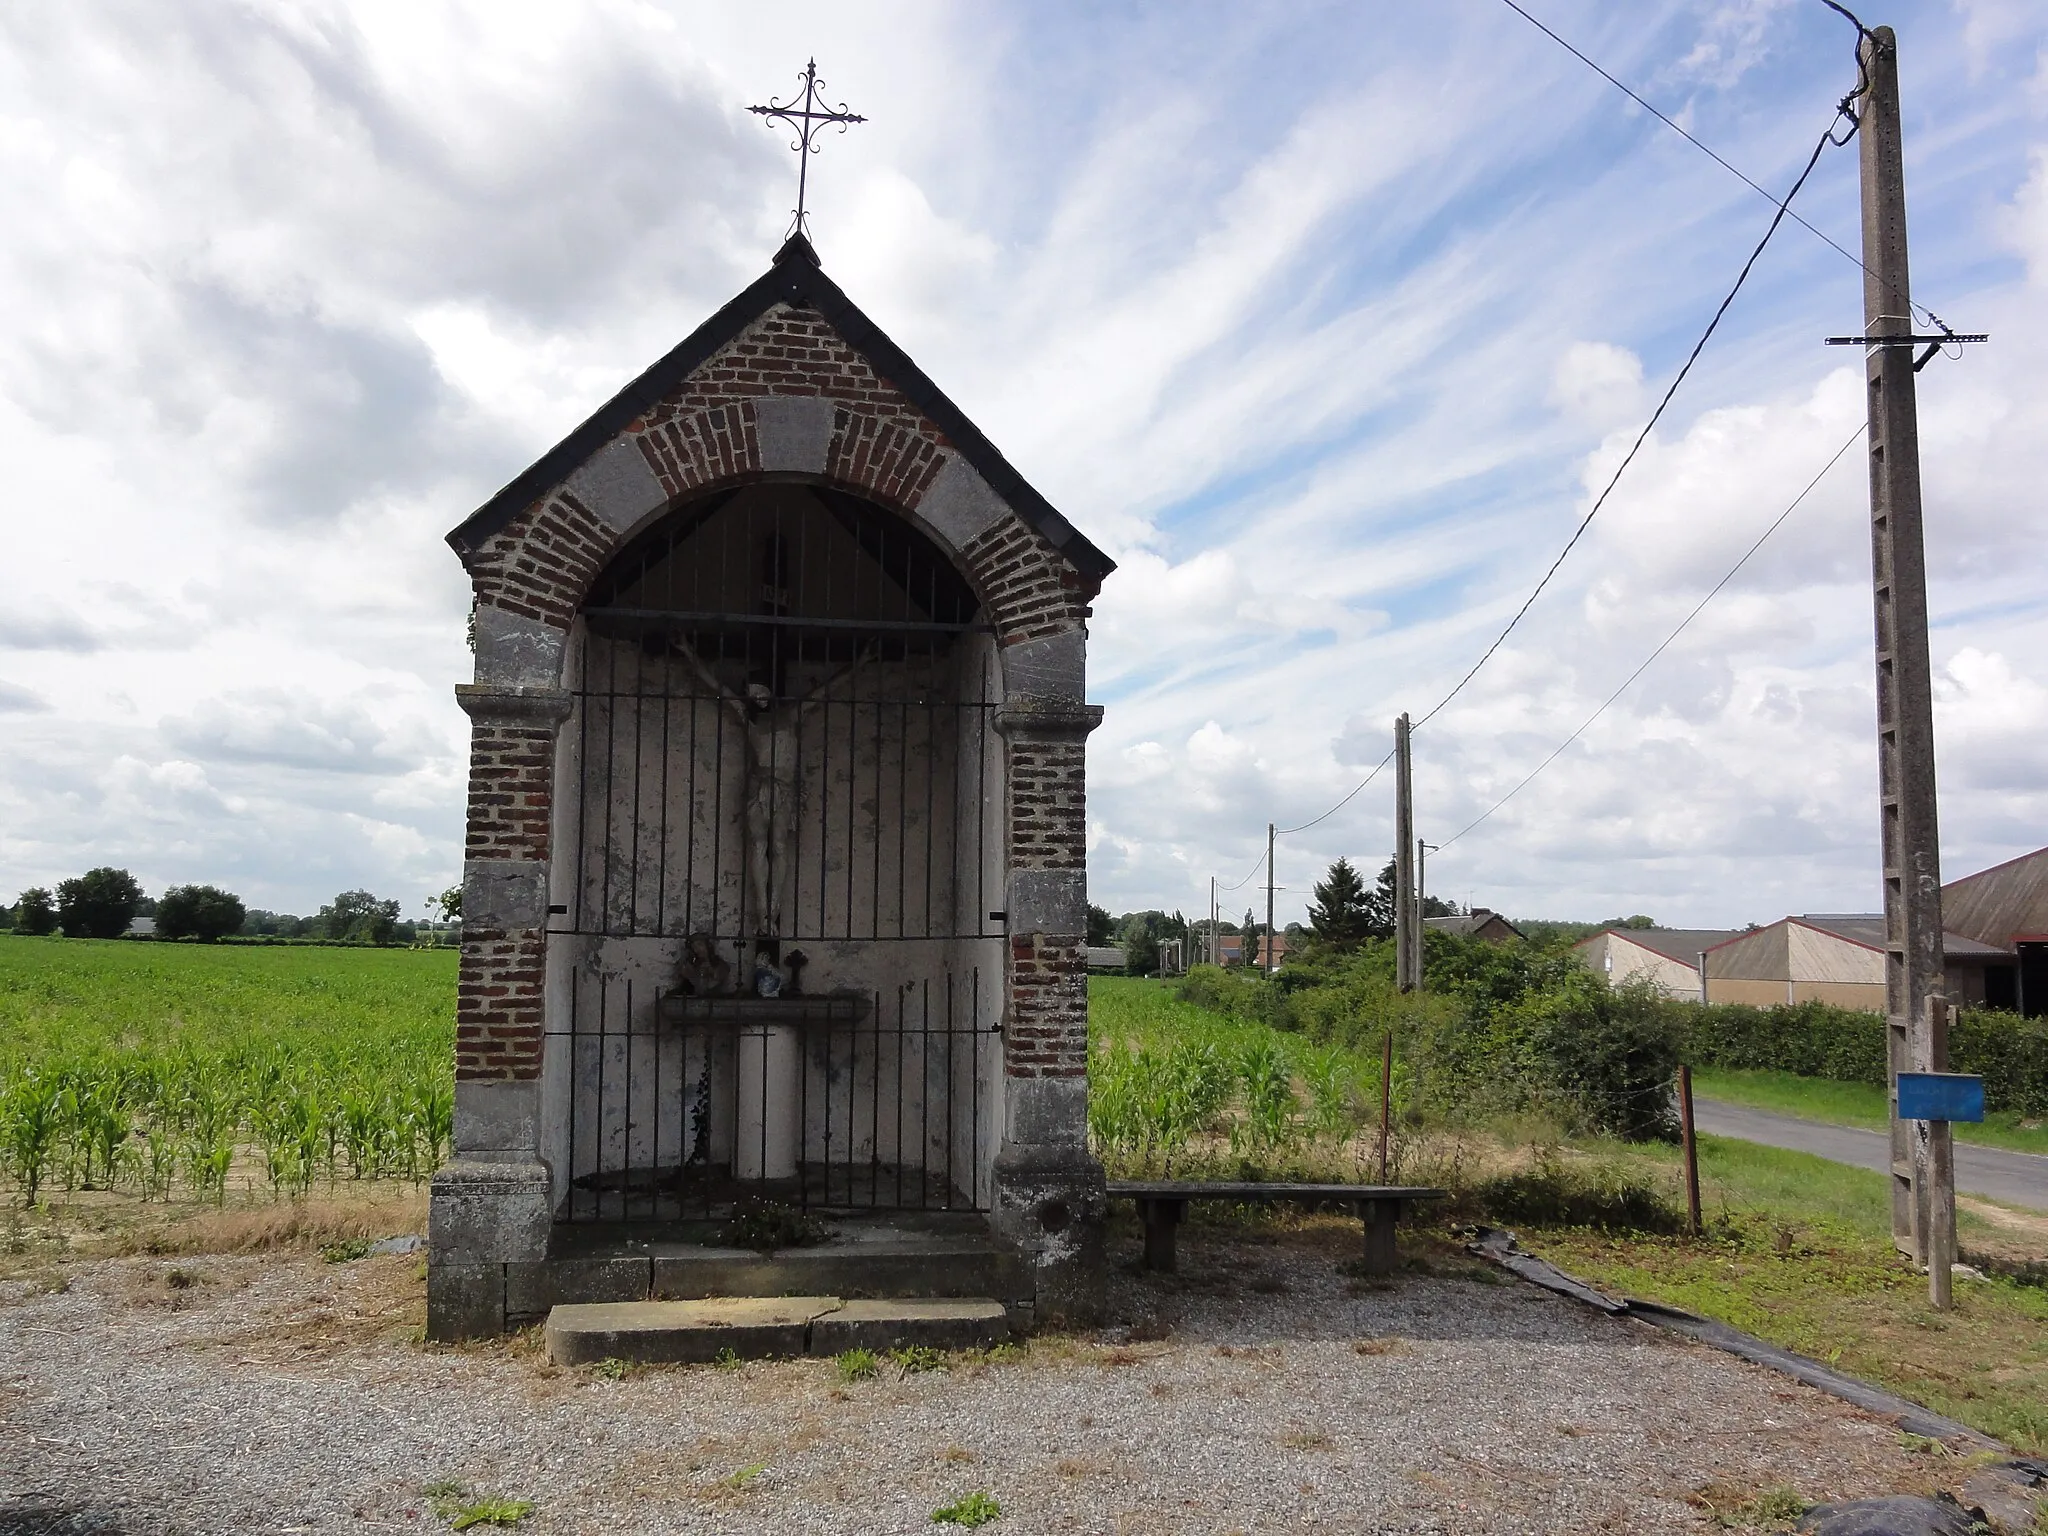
[(975, 1509), (1857, 1104), (858, 1365), (1798, 1252)]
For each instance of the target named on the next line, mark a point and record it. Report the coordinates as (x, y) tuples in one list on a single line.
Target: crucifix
[(806, 120)]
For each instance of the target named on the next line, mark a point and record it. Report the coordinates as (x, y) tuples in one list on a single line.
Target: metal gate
[(777, 973)]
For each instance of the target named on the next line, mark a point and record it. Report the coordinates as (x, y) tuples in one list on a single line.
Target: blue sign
[(1940, 1096)]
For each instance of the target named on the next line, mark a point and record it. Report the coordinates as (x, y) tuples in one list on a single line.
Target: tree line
[(104, 903)]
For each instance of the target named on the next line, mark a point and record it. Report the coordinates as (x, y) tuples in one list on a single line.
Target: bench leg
[(1379, 1217), (1160, 1217)]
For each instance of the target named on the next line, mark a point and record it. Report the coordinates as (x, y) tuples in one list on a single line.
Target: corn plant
[(1268, 1124), (29, 1130)]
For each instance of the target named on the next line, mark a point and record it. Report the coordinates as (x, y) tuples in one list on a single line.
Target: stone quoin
[(788, 406)]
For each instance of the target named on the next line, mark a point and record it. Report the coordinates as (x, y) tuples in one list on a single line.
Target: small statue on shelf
[(796, 960), (703, 972)]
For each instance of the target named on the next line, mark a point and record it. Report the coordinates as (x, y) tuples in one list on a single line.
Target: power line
[(1827, 137), (1662, 647), (1333, 810), (1706, 149)]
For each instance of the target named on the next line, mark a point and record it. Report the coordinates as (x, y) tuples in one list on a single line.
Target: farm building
[(2006, 907), (776, 874), (1667, 958), (1828, 958), (1479, 923)]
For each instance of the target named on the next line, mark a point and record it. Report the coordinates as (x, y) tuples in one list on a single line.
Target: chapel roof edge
[(796, 276)]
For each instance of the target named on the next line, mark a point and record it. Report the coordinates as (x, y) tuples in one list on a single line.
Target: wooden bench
[(1161, 1202)]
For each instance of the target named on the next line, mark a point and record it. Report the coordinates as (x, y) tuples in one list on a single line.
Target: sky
[(1326, 321)]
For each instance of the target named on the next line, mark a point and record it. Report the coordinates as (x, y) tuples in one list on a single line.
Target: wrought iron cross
[(807, 120)]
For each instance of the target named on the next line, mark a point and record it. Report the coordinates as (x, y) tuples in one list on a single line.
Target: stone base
[(1050, 1204), (482, 1216)]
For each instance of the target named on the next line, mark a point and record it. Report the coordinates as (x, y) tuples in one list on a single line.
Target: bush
[(35, 914), (1609, 1056), (1848, 1045), (99, 904), (202, 912)]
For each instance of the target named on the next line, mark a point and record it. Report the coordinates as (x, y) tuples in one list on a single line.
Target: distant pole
[(1910, 834), (1386, 1095), (1692, 1151), (1266, 949), (1212, 921), (1703, 978), (1404, 862)]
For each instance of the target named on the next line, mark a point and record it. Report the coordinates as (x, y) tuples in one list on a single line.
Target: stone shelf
[(742, 1011)]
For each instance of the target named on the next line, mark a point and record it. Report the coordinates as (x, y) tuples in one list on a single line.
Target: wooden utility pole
[(1406, 915), (1215, 954), (1910, 834), (1266, 949)]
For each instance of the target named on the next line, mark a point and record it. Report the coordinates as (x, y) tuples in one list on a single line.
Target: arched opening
[(777, 954)]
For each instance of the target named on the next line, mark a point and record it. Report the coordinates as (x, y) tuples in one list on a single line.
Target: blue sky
[(1325, 320)]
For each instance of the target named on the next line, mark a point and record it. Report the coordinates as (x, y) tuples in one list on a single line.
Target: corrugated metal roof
[(1998, 904)]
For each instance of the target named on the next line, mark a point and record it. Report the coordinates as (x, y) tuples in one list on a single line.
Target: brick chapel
[(774, 890)]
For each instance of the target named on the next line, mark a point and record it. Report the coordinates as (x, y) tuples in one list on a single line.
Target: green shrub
[(1607, 1056), (1848, 1045)]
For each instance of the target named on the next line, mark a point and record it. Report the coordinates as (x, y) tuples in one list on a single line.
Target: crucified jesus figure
[(772, 789)]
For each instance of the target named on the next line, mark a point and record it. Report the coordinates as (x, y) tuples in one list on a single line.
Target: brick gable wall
[(703, 434)]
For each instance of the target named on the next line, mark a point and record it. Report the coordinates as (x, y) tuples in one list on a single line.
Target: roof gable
[(794, 278)]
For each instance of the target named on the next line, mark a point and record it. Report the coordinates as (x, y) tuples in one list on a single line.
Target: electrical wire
[(1776, 523), (1708, 150), (1333, 810), (1827, 137)]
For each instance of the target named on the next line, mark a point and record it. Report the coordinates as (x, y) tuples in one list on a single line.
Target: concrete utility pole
[(1266, 949), (1214, 958), (1905, 712), (1406, 914)]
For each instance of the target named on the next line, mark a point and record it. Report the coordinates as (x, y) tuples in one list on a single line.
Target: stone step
[(757, 1327)]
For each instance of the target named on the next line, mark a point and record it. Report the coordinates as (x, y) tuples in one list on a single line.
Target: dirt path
[(1260, 1391)]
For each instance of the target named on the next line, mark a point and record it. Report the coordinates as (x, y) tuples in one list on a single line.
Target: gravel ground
[(1259, 1391)]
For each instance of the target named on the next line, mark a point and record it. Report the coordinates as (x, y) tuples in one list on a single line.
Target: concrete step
[(757, 1327)]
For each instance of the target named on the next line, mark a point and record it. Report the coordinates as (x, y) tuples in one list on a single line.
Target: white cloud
[(1330, 358)]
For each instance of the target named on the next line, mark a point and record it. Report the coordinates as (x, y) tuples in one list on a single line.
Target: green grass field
[(162, 1068), (1861, 1104)]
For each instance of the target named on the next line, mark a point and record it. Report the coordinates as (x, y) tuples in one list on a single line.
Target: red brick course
[(1046, 1030), (1048, 804), (702, 435), (498, 1024)]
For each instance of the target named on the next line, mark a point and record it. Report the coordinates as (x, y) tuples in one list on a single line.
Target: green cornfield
[(1172, 1087), (183, 1071)]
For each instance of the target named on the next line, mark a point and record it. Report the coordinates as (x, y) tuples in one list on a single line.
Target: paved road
[(2019, 1178)]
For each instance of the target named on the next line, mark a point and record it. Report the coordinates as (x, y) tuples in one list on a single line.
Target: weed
[(346, 1250), (975, 1509), (958, 1453), (858, 1365), (726, 1359), (443, 1490), (611, 1368), (911, 1359), (489, 1511), (1922, 1445), (743, 1479)]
